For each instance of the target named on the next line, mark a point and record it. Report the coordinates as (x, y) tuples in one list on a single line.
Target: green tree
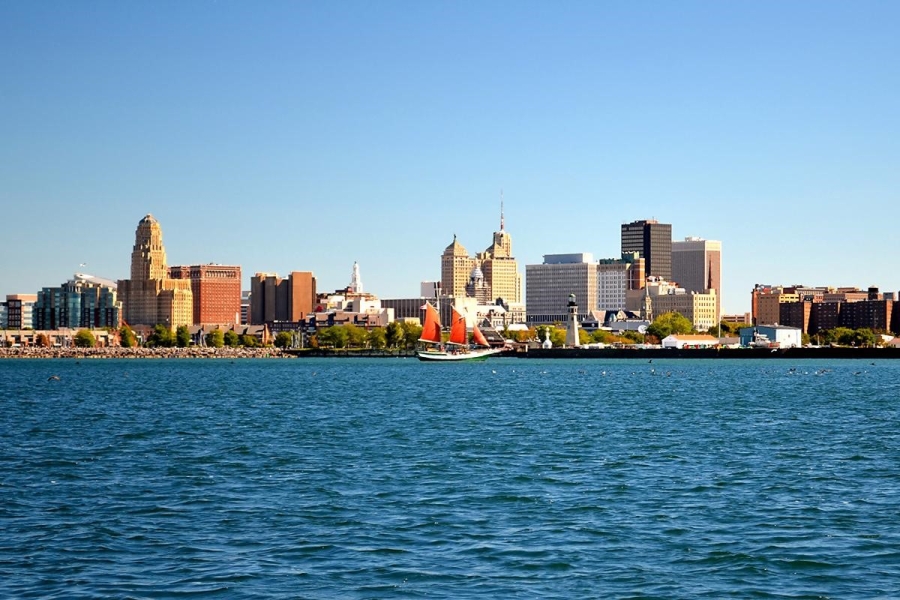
[(334, 337), (583, 337), (231, 339), (377, 338), (162, 336), (558, 337), (864, 337), (84, 339), (215, 338), (394, 334), (126, 337), (249, 341), (182, 336), (411, 334), (283, 340), (356, 336), (670, 323)]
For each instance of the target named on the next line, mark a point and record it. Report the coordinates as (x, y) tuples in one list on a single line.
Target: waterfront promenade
[(119, 352)]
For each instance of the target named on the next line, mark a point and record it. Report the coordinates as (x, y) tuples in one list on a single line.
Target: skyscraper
[(151, 297), (548, 286), (653, 240), (275, 299), (497, 264), (697, 266), (216, 292)]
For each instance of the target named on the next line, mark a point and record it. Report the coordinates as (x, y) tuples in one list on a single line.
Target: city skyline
[(306, 137)]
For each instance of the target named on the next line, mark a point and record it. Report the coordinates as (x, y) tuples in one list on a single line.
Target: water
[(397, 479)]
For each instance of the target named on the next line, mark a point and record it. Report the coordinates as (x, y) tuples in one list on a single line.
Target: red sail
[(479, 337), (457, 328), (431, 331)]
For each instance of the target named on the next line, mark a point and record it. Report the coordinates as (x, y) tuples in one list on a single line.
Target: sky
[(303, 136)]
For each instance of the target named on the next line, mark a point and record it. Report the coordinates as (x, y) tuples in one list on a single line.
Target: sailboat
[(457, 347)]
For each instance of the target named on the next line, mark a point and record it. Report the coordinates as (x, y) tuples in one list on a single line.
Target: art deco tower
[(148, 259), (150, 297)]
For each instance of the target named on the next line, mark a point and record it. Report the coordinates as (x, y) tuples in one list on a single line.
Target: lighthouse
[(572, 326)]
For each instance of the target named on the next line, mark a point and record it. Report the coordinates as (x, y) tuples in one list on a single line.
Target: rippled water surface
[(397, 479)]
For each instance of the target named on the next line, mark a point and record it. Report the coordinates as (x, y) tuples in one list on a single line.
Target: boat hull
[(443, 356)]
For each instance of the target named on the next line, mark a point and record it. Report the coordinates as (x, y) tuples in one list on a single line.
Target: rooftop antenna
[(501, 209)]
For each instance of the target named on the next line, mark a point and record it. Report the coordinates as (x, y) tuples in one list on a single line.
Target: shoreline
[(152, 353)]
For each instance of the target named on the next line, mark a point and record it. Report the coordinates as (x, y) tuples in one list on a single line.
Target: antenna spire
[(501, 210)]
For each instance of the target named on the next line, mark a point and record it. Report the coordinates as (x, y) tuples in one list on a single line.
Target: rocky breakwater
[(118, 352)]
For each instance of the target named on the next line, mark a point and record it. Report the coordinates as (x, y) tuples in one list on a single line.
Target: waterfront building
[(496, 263), (697, 266), (615, 276), (659, 297), (456, 266), (216, 291), (549, 284), (273, 298), (653, 241), (18, 311), (777, 335), (151, 297), (84, 301), (683, 340)]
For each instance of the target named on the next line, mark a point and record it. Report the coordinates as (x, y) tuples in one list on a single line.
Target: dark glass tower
[(653, 241)]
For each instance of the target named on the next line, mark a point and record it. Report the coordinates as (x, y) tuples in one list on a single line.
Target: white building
[(548, 285)]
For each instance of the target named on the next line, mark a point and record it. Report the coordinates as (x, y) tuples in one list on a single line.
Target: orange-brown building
[(275, 299), (216, 290)]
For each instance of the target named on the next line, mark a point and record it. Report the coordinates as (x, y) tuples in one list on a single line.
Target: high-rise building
[(216, 290), (275, 299), (83, 301), (549, 285), (456, 267), (151, 297), (697, 266), (18, 311), (496, 263), (615, 276), (653, 240)]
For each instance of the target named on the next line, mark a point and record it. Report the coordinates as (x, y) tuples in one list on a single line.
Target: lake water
[(398, 479)]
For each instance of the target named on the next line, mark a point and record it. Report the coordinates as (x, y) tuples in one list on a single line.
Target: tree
[(162, 336), (377, 338), (668, 323), (215, 338), (394, 334), (356, 336), (126, 337), (335, 337), (249, 341), (583, 337), (558, 337), (85, 339), (182, 336), (231, 338), (283, 340), (411, 334), (42, 340)]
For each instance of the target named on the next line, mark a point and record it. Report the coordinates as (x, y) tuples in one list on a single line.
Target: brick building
[(216, 290)]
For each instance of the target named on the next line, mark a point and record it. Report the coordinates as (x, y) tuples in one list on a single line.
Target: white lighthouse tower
[(572, 326)]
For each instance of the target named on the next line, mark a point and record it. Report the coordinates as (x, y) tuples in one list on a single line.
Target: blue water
[(398, 479)]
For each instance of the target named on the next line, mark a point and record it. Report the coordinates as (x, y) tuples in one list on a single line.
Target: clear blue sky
[(306, 135)]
